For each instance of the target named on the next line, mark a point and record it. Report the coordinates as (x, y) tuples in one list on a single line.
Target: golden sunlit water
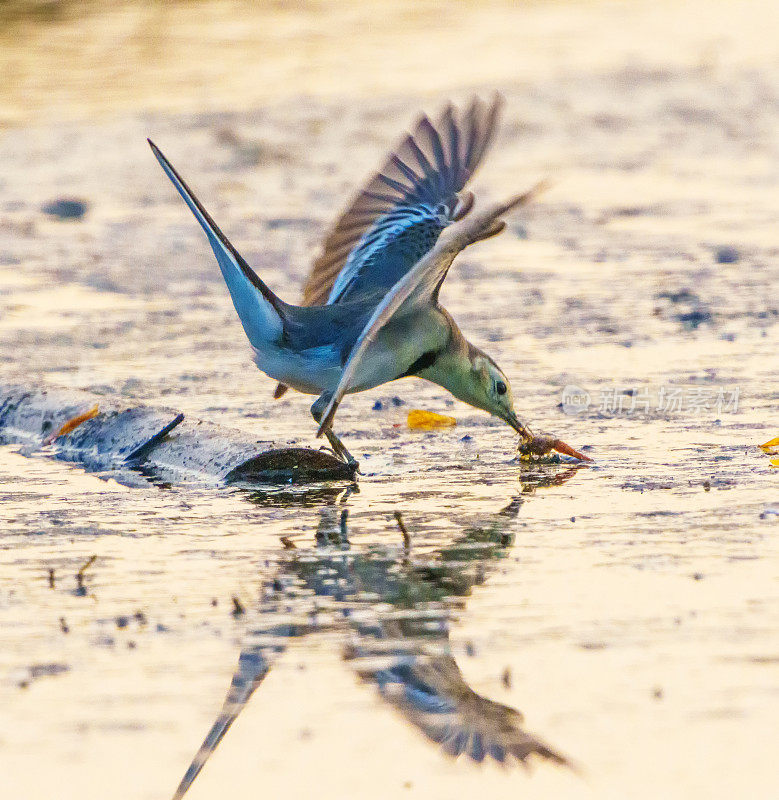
[(628, 609)]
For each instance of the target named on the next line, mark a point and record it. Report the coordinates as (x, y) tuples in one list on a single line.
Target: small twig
[(140, 453), (506, 678), (51, 577), (403, 530), (80, 574), (238, 608)]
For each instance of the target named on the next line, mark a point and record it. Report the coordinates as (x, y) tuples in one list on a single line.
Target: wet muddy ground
[(629, 609)]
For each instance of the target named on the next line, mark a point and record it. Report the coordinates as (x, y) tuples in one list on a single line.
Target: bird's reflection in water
[(395, 608)]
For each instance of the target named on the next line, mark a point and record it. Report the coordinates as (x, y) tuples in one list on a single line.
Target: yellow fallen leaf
[(774, 462), (771, 446), (72, 424), (419, 420)]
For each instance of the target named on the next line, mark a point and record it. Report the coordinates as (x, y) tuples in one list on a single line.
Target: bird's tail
[(252, 668), (262, 313)]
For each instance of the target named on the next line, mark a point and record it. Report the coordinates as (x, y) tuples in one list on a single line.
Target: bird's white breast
[(318, 369)]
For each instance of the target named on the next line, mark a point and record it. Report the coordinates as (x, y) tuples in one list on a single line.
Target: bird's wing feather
[(432, 695), (261, 312), (397, 216), (420, 286)]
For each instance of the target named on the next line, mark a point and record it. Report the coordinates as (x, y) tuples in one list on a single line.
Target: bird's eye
[(501, 387)]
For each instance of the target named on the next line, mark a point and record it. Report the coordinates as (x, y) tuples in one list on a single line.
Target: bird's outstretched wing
[(400, 212), (420, 286), (398, 215)]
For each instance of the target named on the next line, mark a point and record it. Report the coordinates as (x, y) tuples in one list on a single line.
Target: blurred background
[(85, 58)]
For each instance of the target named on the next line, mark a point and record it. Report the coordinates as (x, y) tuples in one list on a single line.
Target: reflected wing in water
[(398, 608), (430, 692)]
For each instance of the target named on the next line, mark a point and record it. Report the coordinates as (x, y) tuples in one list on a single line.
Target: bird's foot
[(340, 452), (347, 458), (354, 465)]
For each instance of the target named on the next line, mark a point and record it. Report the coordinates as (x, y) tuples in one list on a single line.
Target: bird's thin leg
[(317, 409), (340, 450)]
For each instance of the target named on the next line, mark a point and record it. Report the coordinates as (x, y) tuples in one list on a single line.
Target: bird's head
[(481, 383)]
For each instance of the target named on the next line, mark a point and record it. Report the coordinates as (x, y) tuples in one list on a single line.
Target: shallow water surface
[(660, 599)]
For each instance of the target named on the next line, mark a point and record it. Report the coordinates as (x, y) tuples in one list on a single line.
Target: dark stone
[(727, 255), (41, 670), (682, 296), (693, 319), (293, 464), (65, 208)]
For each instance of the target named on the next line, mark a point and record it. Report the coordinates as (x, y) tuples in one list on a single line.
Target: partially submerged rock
[(65, 208), (200, 448), (157, 440)]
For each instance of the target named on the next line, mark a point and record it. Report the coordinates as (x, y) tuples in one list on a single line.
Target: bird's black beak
[(519, 426)]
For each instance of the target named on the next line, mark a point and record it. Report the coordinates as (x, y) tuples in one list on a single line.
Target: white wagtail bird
[(370, 312)]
